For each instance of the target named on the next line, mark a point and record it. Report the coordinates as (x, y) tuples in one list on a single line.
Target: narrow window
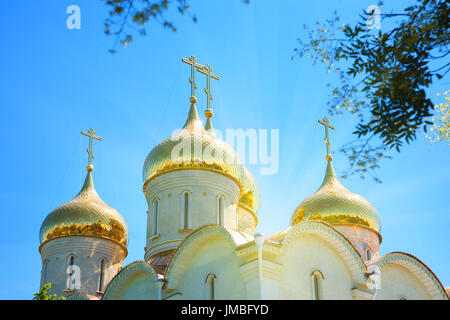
[(44, 272), (316, 278), (220, 217), (155, 217), (211, 286), (316, 287), (369, 254), (186, 211), (101, 276)]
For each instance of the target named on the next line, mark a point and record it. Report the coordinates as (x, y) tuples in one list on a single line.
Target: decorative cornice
[(107, 240), (316, 227), (162, 246), (134, 266), (193, 166), (409, 260), (217, 230)]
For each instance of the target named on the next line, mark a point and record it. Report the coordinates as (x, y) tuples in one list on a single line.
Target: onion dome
[(85, 215), (193, 147), (251, 196), (334, 204)]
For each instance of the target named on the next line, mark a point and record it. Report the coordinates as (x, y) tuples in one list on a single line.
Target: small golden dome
[(85, 215), (193, 147), (334, 204), (251, 196)]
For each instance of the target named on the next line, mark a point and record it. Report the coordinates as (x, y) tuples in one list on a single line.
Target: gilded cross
[(327, 125), (207, 70), (193, 63), (92, 136)]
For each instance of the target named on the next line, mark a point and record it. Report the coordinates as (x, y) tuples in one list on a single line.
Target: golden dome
[(334, 204), (193, 147), (85, 215), (251, 196)]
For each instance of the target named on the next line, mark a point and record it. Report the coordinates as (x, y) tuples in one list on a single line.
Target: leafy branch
[(127, 17), (44, 294), (382, 76)]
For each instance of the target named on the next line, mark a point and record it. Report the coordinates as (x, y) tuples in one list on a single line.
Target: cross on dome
[(326, 123), (207, 70), (92, 136), (193, 63)]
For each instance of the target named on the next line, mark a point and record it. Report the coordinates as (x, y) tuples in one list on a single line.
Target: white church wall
[(137, 281), (206, 252), (403, 276), (397, 282), (268, 288), (88, 253), (216, 258), (306, 254)]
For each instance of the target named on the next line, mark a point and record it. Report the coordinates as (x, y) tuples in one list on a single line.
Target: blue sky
[(55, 82)]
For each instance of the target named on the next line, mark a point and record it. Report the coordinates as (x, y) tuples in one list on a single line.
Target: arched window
[(101, 276), (71, 260), (316, 287), (155, 217), (211, 286), (220, 211), (44, 272), (316, 281), (186, 210), (368, 254)]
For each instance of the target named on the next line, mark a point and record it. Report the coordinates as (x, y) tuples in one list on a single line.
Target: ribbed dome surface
[(193, 147), (333, 203), (86, 214)]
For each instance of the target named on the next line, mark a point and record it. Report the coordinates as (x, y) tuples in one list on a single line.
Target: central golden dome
[(193, 147), (334, 204), (85, 215)]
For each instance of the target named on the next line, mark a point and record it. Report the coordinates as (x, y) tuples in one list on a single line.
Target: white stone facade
[(88, 253), (203, 189)]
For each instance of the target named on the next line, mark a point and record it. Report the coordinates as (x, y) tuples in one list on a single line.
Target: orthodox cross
[(326, 123), (92, 136), (207, 70), (191, 61)]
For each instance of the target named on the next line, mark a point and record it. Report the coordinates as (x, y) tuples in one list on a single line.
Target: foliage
[(128, 16), (44, 294), (382, 75), (440, 131)]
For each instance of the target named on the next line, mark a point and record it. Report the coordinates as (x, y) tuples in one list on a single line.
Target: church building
[(201, 242)]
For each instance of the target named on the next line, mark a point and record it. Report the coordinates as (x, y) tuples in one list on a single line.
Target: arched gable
[(211, 247), (342, 245), (420, 270), (137, 281)]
